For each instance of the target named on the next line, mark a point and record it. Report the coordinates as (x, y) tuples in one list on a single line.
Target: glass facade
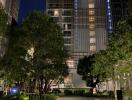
[(15, 5), (90, 27), (119, 10), (62, 12)]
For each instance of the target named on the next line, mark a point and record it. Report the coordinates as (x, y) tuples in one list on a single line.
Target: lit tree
[(116, 59), (35, 51)]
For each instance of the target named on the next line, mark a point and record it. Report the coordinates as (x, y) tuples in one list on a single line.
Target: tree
[(3, 21), (111, 62), (49, 56), (3, 30), (39, 51), (84, 69)]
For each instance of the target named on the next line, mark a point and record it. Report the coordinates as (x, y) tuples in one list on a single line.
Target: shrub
[(68, 92), (79, 92), (56, 91), (9, 98), (111, 93), (49, 97)]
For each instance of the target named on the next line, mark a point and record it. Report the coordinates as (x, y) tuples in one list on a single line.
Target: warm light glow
[(56, 13), (91, 19), (92, 33), (92, 40), (92, 48), (70, 63), (91, 26), (91, 5), (31, 51), (91, 12)]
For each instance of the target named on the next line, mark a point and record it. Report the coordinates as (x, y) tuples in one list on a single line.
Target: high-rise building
[(130, 6), (62, 12), (119, 10), (90, 27)]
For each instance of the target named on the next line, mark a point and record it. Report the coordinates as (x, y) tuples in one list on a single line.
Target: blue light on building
[(75, 8), (110, 28), (76, 18)]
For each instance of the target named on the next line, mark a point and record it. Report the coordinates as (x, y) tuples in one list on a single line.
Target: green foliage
[(84, 68), (79, 92), (49, 97), (56, 91), (116, 59), (3, 22), (35, 50), (44, 97), (68, 92), (47, 40)]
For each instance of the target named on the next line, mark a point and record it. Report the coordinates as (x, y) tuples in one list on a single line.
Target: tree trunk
[(41, 88), (114, 85), (46, 87)]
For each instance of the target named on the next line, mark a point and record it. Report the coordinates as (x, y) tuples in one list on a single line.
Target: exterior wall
[(88, 32), (130, 6), (6, 4), (61, 12), (15, 5), (90, 27), (3, 2)]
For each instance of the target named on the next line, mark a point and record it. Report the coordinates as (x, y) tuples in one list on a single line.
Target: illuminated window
[(92, 33), (91, 12), (92, 26), (91, 5), (91, 19), (92, 48), (65, 26), (56, 13), (92, 40)]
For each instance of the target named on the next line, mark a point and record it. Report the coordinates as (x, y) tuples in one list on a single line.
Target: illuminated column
[(91, 20)]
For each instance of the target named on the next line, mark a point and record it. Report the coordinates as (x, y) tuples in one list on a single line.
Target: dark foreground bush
[(49, 97), (44, 97), (79, 92), (8, 98), (68, 92), (56, 91)]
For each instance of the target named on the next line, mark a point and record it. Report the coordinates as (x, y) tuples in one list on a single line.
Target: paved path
[(79, 98)]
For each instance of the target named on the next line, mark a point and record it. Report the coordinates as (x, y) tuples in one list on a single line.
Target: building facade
[(62, 12), (90, 27), (130, 6), (119, 10)]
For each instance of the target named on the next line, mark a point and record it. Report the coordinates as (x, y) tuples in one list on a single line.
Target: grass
[(44, 97)]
